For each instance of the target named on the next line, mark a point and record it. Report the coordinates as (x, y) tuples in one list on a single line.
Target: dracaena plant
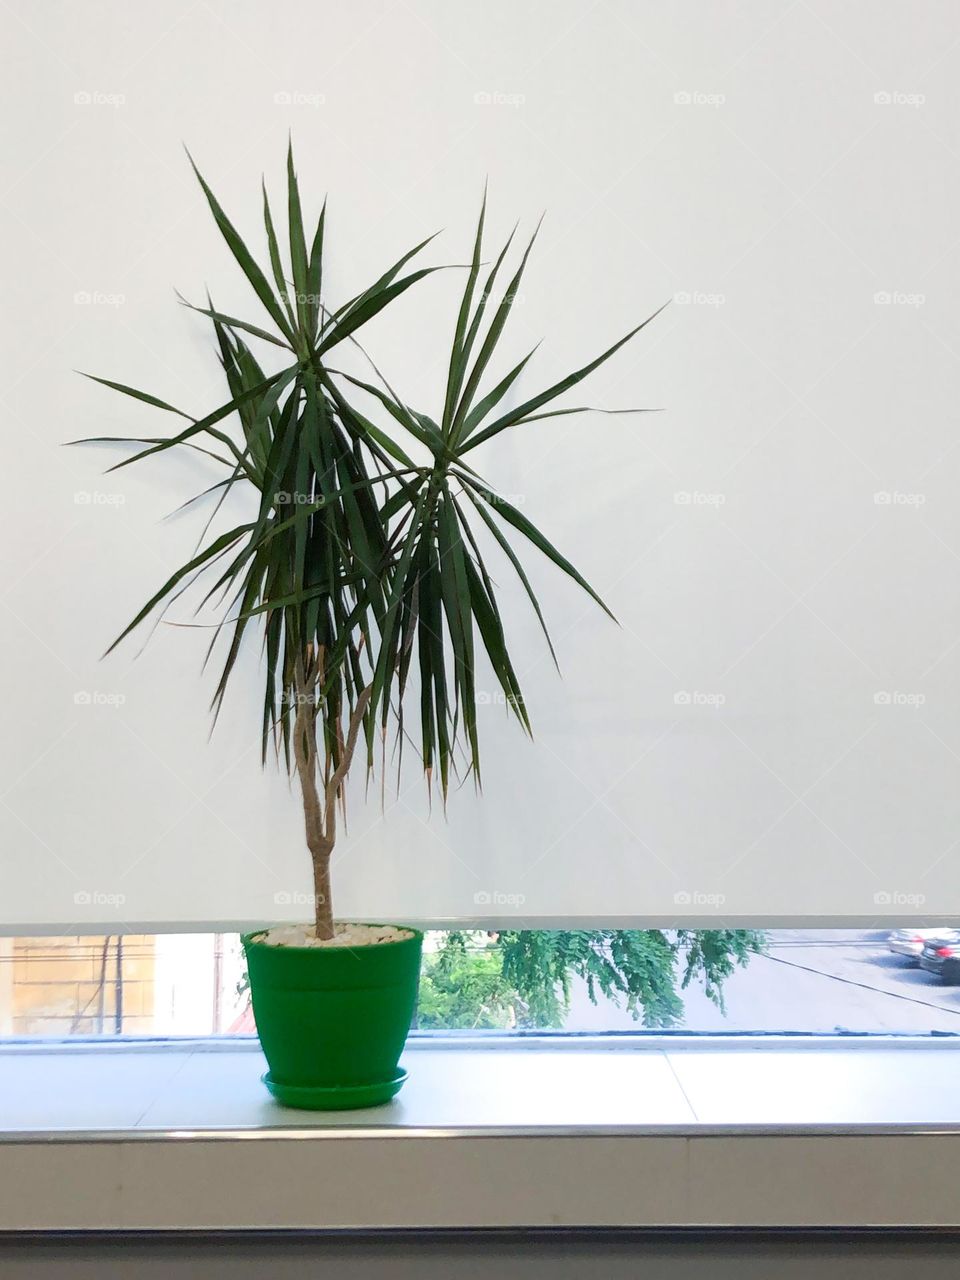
[(358, 558)]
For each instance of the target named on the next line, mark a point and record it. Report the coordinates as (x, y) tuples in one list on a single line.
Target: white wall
[(778, 168)]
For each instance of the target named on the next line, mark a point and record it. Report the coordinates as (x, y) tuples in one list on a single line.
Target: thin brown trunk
[(320, 816), (323, 906), (305, 753)]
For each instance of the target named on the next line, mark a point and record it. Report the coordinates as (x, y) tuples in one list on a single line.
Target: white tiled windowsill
[(607, 1132)]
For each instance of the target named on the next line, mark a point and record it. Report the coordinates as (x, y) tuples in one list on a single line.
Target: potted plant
[(360, 565)]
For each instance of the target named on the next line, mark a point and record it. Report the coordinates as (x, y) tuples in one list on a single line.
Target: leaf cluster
[(359, 564), (645, 969)]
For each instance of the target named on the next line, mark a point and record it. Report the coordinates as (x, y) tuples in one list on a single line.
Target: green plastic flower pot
[(333, 1020)]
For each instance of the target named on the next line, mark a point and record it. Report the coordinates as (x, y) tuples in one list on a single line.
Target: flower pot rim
[(251, 939)]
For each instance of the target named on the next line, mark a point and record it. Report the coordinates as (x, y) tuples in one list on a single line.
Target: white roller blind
[(772, 732)]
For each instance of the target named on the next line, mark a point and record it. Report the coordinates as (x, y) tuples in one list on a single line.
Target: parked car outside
[(909, 942), (941, 956)]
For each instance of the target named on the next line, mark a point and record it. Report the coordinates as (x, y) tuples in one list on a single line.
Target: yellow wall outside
[(52, 986)]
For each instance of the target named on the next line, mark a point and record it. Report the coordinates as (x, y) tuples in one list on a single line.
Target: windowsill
[(585, 1132)]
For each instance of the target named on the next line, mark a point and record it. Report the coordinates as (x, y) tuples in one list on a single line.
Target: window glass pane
[(812, 981)]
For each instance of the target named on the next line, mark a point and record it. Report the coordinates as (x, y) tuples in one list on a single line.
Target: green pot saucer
[(343, 1097)]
